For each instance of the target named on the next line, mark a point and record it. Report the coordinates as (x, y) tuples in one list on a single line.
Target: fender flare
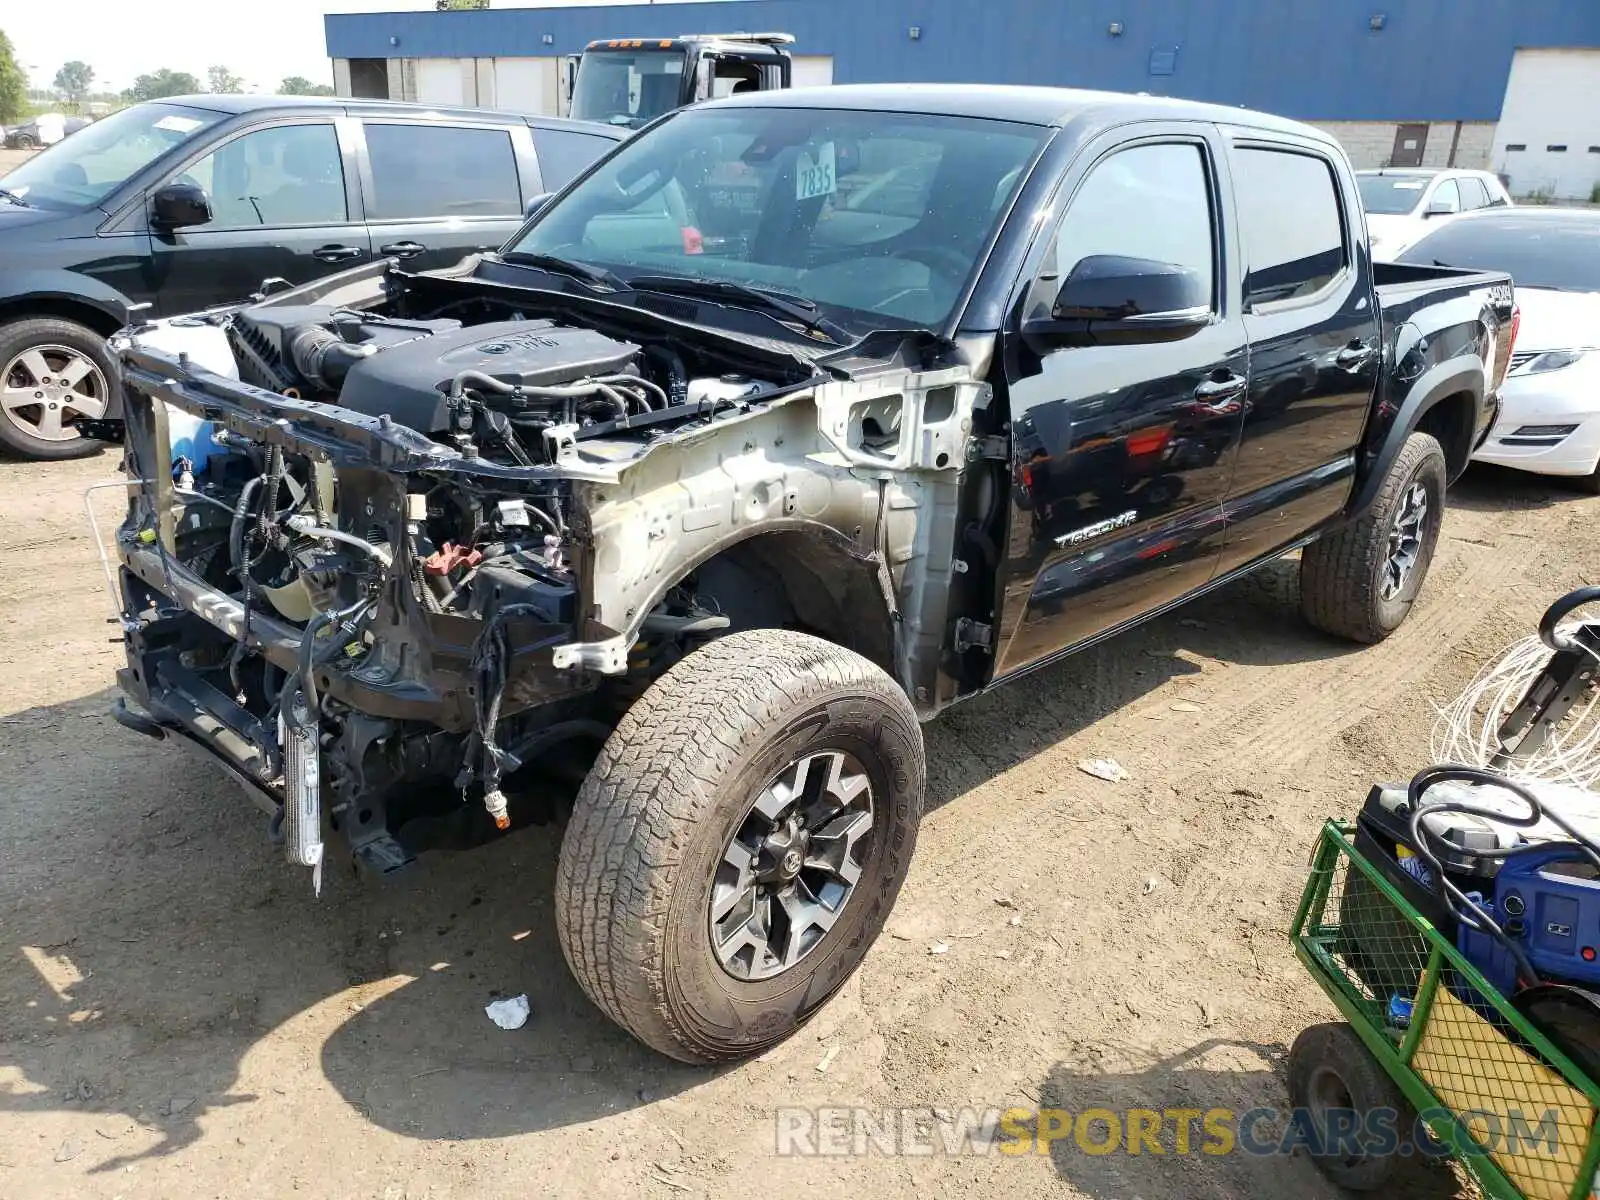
[(1462, 374)]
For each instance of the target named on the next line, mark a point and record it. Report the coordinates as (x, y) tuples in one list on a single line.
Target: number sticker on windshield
[(178, 124), (814, 177)]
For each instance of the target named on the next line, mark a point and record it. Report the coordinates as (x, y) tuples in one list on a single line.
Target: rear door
[(282, 199), (1314, 350), (436, 191), (1121, 453)]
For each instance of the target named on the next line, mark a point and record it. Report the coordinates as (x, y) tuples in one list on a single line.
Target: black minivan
[(194, 201)]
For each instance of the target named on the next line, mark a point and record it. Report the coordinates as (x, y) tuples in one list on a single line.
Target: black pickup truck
[(799, 417)]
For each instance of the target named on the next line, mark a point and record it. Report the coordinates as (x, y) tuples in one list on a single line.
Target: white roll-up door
[(525, 85), (440, 81), (813, 70)]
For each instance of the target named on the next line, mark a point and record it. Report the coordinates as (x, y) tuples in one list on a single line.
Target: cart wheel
[(1330, 1069)]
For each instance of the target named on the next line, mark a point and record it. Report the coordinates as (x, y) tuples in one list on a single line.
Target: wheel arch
[(100, 316), (796, 575), (1444, 401)]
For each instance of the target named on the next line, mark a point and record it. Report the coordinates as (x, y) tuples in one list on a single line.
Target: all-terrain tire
[(1330, 1067), (16, 338), (1342, 573), (674, 784)]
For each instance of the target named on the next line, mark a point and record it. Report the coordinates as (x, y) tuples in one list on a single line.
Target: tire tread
[(655, 779)]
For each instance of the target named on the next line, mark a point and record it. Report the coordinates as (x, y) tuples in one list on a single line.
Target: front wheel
[(740, 842), (1360, 581), (52, 373)]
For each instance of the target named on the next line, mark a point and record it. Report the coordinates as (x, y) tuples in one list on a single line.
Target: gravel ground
[(179, 1015)]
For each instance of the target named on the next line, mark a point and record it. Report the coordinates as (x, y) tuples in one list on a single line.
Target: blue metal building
[(1325, 60)]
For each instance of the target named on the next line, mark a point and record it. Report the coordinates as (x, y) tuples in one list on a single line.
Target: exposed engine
[(508, 390)]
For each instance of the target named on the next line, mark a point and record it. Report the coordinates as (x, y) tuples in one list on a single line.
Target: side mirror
[(1112, 300), (1440, 207), (178, 205), (538, 202)]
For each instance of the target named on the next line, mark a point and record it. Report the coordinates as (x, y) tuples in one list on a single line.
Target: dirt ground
[(180, 1016)]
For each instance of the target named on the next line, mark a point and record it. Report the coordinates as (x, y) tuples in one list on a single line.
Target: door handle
[(402, 249), (333, 254), (1218, 391), (1356, 354)]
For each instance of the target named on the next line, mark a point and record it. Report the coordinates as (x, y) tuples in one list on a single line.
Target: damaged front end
[(402, 549)]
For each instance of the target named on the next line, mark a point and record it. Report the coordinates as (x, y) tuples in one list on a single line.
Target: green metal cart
[(1429, 1040)]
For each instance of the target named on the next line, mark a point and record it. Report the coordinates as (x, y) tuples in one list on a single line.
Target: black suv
[(194, 201)]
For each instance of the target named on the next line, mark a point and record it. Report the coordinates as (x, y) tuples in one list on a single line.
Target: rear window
[(421, 171), (1390, 195), (1537, 251), (563, 154), (1289, 213)]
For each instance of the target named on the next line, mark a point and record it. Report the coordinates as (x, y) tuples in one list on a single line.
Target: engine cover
[(410, 381)]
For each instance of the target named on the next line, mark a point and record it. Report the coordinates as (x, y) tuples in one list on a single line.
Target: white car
[(1403, 204), (1549, 418)]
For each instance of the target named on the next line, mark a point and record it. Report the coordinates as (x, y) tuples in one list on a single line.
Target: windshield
[(1390, 195), (1537, 251), (628, 89), (82, 170), (877, 217)]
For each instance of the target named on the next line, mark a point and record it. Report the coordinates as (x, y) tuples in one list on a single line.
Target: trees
[(165, 82), (299, 85), (13, 84), (220, 79), (73, 81)]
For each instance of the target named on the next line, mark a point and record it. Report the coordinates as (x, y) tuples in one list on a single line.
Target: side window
[(1448, 196), (281, 175), (1497, 195), (1151, 202), (1473, 194), (1293, 230), (563, 154), (441, 171)]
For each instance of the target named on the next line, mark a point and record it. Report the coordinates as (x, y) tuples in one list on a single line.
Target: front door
[(280, 207), (1410, 142), (1121, 453), (437, 192)]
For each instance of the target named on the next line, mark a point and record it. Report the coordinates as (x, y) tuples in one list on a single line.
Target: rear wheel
[(740, 842), (52, 373), (1360, 581)]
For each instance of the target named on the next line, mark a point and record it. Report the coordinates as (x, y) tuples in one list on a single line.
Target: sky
[(262, 40)]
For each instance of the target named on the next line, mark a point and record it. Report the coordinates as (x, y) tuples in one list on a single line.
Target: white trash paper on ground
[(1108, 769), (509, 1014)]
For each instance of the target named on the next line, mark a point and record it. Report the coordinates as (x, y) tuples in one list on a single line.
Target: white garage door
[(441, 81), (525, 85), (1549, 139), (813, 70)]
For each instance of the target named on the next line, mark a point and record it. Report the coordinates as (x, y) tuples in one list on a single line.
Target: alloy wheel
[(45, 389), (1406, 536), (791, 866)]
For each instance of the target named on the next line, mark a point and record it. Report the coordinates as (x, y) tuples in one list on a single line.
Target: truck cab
[(632, 81)]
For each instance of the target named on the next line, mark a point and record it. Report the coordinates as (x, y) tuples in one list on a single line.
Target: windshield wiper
[(583, 272), (781, 304), (8, 194)]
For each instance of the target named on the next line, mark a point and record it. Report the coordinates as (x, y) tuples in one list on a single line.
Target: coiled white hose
[(1467, 730)]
